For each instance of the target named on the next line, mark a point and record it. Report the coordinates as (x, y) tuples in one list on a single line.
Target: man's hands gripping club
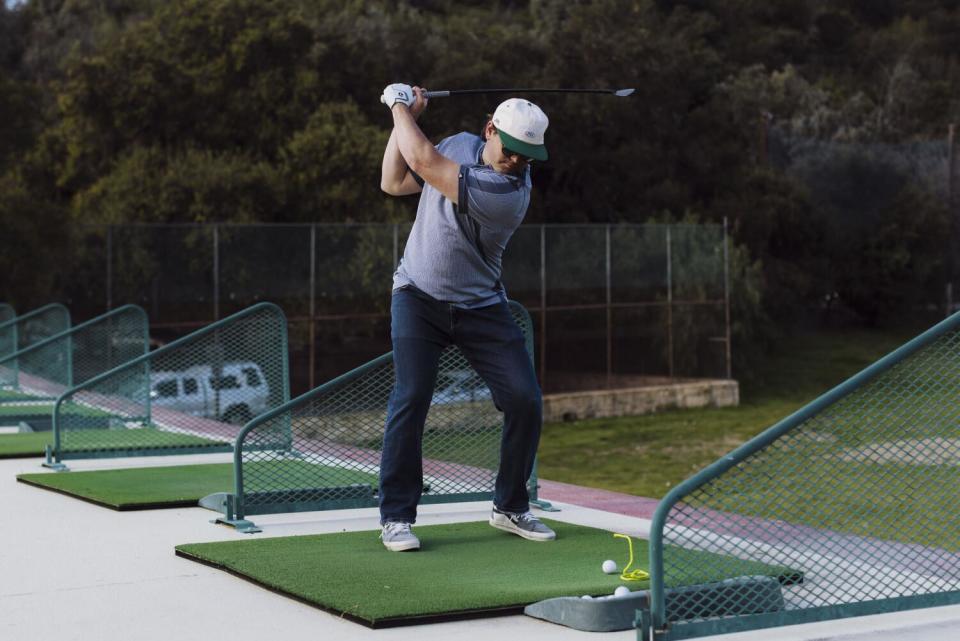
[(398, 92), (413, 97)]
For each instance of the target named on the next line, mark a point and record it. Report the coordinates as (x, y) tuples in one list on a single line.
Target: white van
[(236, 396)]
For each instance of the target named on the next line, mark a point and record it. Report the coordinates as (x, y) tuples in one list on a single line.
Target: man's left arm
[(421, 156)]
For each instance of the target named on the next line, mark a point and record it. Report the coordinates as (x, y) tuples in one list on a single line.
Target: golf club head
[(623, 92)]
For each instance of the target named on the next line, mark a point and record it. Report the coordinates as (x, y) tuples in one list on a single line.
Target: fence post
[(669, 303), (953, 207), (313, 305), (216, 272), (609, 315), (726, 298), (543, 306), (109, 267), (396, 245)]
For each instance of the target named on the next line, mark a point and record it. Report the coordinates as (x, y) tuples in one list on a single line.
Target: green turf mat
[(13, 411), (462, 570), (176, 486), (27, 444), (24, 444), (10, 396), (46, 409)]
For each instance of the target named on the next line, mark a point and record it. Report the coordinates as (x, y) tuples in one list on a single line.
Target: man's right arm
[(395, 176)]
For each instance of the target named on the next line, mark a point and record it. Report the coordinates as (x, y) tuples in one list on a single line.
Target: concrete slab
[(75, 571)]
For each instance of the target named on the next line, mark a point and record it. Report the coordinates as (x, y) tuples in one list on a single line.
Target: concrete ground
[(70, 570)]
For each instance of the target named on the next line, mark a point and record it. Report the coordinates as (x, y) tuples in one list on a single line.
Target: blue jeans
[(491, 341)]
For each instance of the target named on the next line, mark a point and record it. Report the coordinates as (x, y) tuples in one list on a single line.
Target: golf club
[(620, 93)]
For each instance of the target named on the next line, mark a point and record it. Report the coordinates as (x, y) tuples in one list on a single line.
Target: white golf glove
[(398, 92)]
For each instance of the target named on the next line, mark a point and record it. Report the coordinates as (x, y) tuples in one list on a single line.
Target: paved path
[(74, 571)]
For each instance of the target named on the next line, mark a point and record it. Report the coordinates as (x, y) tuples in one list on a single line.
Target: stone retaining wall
[(572, 406)]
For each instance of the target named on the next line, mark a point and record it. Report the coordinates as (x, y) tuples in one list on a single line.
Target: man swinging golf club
[(474, 194)]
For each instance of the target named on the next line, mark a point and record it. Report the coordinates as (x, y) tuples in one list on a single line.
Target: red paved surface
[(605, 500)]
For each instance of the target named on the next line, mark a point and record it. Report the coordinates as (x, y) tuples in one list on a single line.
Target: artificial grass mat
[(13, 396), (462, 570), (28, 444), (45, 409), (175, 486)]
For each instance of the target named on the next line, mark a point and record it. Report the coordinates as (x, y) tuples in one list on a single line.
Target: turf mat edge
[(121, 507), (377, 624), (166, 486), (463, 570)]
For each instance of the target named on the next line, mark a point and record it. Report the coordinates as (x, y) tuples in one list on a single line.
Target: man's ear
[(486, 126)]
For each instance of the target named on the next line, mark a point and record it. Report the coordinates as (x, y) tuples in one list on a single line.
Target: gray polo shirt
[(454, 252)]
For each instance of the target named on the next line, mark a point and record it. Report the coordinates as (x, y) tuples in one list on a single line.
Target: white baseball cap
[(521, 125)]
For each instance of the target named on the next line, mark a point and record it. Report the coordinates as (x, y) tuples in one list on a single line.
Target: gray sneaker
[(397, 537), (523, 524)]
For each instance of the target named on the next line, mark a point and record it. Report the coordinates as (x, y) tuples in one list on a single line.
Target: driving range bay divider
[(7, 336), (47, 368), (189, 396), (332, 459), (857, 490), (26, 329)]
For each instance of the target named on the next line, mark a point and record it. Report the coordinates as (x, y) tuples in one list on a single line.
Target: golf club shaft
[(462, 92)]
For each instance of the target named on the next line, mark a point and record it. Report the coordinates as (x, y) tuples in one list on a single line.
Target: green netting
[(339, 426), (34, 326), (7, 336), (205, 385), (857, 490), (49, 367)]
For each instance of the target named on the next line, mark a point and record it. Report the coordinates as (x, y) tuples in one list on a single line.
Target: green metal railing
[(856, 491), (190, 396), (331, 459), (47, 368), (24, 330)]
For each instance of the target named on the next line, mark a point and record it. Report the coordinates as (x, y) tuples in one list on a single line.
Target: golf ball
[(621, 591), (609, 567), (586, 596)]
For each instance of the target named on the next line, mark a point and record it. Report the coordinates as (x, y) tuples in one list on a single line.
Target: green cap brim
[(537, 152)]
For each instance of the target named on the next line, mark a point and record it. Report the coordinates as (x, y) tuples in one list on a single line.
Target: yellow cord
[(628, 574)]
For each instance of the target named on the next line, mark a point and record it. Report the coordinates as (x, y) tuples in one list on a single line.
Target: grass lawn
[(874, 500), (647, 455)]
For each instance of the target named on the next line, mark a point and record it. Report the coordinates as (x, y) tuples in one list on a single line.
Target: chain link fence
[(7, 337), (49, 367), (612, 305), (332, 458), (192, 395), (856, 492), (34, 326)]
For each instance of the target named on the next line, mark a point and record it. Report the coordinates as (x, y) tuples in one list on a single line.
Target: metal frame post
[(216, 272), (313, 306), (953, 208), (669, 302), (726, 298), (543, 306), (609, 314), (109, 267), (396, 245)]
